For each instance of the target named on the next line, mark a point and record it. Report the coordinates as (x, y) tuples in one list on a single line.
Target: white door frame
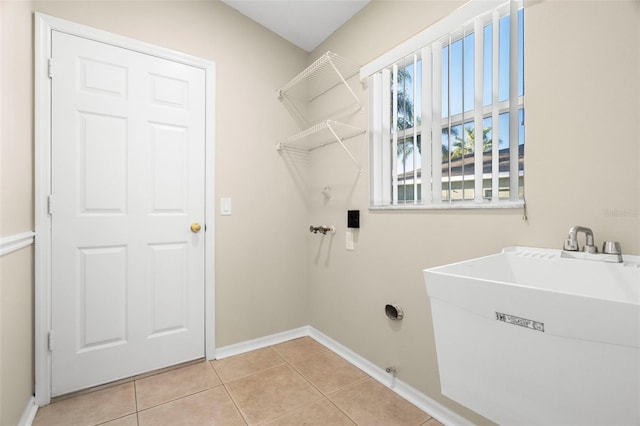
[(44, 25)]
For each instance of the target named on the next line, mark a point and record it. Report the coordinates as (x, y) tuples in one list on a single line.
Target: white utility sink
[(528, 337)]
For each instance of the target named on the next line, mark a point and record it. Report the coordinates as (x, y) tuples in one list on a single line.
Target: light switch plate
[(349, 238), (225, 206)]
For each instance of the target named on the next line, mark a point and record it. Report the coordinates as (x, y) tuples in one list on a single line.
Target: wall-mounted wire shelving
[(328, 72)]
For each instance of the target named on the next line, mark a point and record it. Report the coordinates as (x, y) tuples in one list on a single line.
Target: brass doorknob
[(195, 227)]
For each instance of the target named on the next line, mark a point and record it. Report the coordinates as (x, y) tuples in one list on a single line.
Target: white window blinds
[(447, 119)]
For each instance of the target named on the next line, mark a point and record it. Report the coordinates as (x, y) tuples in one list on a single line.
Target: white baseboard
[(29, 413), (441, 413), (417, 398), (261, 342)]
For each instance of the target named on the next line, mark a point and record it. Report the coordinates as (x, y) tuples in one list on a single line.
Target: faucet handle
[(570, 245), (611, 247)]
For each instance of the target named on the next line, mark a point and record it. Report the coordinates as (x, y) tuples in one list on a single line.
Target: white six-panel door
[(127, 177)]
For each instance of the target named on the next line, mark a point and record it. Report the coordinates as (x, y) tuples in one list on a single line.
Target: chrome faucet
[(611, 251), (571, 243)]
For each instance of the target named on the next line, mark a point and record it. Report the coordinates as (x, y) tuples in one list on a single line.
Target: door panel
[(169, 91), (127, 183), (102, 297), (169, 155), (102, 78), (103, 144), (168, 267)]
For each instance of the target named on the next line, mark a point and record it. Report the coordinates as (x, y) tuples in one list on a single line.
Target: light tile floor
[(293, 383)]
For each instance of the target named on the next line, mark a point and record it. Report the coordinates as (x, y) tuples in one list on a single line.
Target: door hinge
[(50, 67), (50, 204), (50, 341)]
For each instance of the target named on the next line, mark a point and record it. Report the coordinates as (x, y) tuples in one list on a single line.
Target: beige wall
[(16, 333), (582, 161), (16, 210), (16, 150)]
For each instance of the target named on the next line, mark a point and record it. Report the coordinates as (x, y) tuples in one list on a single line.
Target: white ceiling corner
[(305, 23)]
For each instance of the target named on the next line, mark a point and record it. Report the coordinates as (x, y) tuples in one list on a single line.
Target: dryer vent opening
[(394, 312)]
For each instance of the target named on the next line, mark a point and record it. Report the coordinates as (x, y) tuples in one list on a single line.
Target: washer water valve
[(322, 229)]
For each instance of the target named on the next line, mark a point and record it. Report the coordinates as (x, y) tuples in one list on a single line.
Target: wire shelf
[(328, 71), (322, 134)]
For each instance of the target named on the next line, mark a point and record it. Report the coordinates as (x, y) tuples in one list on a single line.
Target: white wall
[(582, 143)]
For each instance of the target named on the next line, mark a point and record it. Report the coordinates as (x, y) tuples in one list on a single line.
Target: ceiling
[(305, 23)]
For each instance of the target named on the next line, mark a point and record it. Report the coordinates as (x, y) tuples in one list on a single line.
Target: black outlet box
[(353, 218)]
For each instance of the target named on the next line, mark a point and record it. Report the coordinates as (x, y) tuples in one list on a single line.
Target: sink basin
[(528, 337)]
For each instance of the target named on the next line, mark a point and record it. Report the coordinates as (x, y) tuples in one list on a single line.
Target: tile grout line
[(183, 396), (178, 399), (322, 348), (224, 385), (306, 380), (342, 411), (324, 396), (290, 364), (354, 384), (135, 398), (251, 374), (286, 363), (235, 404)]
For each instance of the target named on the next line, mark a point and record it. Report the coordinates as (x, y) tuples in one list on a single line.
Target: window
[(447, 116)]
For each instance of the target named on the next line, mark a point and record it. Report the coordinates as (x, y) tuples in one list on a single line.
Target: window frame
[(381, 72)]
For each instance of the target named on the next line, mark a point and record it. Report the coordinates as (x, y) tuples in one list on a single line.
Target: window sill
[(452, 206)]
